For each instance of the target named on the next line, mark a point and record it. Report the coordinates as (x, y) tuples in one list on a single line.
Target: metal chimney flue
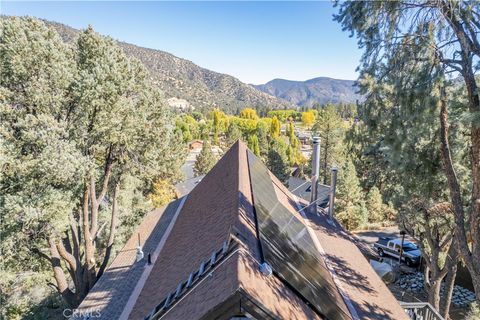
[(333, 188), (315, 174)]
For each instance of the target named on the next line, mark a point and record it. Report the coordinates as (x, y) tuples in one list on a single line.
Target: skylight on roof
[(289, 249)]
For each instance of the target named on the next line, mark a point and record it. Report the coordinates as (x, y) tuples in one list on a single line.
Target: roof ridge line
[(128, 308)]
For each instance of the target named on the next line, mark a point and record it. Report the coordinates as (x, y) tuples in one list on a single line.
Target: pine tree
[(375, 205), (331, 130), (351, 210), (263, 139), (205, 160), (409, 52), (277, 160), (77, 123)]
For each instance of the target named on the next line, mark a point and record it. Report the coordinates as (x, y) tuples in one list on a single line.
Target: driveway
[(371, 236), (187, 168)]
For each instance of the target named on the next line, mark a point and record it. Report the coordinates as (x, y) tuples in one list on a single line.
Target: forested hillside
[(314, 91), (180, 78)]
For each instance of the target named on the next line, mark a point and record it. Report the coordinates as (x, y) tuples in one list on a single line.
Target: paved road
[(187, 168), (371, 236)]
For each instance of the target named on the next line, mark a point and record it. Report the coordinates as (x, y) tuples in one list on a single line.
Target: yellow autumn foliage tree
[(163, 192), (308, 118)]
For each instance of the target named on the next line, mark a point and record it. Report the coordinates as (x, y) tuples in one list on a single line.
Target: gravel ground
[(409, 287)]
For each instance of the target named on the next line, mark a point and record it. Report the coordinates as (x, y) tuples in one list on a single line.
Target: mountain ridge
[(182, 79), (319, 90), (187, 85)]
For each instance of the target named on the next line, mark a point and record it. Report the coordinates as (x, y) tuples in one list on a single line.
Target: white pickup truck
[(391, 247)]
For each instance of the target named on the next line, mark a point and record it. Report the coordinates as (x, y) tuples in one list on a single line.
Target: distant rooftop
[(184, 188), (212, 250)]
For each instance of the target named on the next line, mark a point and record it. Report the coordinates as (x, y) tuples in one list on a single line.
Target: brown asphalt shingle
[(204, 223), (368, 294), (219, 206), (113, 289)]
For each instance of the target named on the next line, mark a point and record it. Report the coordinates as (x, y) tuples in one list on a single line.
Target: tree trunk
[(434, 292), (89, 272), (472, 262), (111, 237), (451, 265), (473, 259), (449, 284), (469, 48), (59, 275), (476, 287)]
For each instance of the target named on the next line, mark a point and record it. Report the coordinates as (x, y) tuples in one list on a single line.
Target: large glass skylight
[(289, 249)]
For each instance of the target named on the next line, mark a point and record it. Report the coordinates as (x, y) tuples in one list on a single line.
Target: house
[(240, 246), (195, 145), (303, 188)]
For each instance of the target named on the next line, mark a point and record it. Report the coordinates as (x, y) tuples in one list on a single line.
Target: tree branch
[(62, 285), (111, 238), (94, 206), (106, 175), (452, 179), (70, 260)]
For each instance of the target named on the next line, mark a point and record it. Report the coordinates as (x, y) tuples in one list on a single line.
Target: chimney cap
[(334, 168), (316, 139)]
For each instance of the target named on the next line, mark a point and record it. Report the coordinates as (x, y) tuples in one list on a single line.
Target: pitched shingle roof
[(114, 288), (217, 211)]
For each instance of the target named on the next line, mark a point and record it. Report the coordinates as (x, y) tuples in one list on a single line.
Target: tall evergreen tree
[(350, 205), (263, 139), (375, 205), (330, 128), (277, 160), (79, 131), (205, 161), (437, 38)]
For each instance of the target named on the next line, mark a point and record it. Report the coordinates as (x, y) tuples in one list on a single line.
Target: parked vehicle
[(391, 247)]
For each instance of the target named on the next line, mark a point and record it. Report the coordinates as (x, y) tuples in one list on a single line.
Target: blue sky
[(253, 41)]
